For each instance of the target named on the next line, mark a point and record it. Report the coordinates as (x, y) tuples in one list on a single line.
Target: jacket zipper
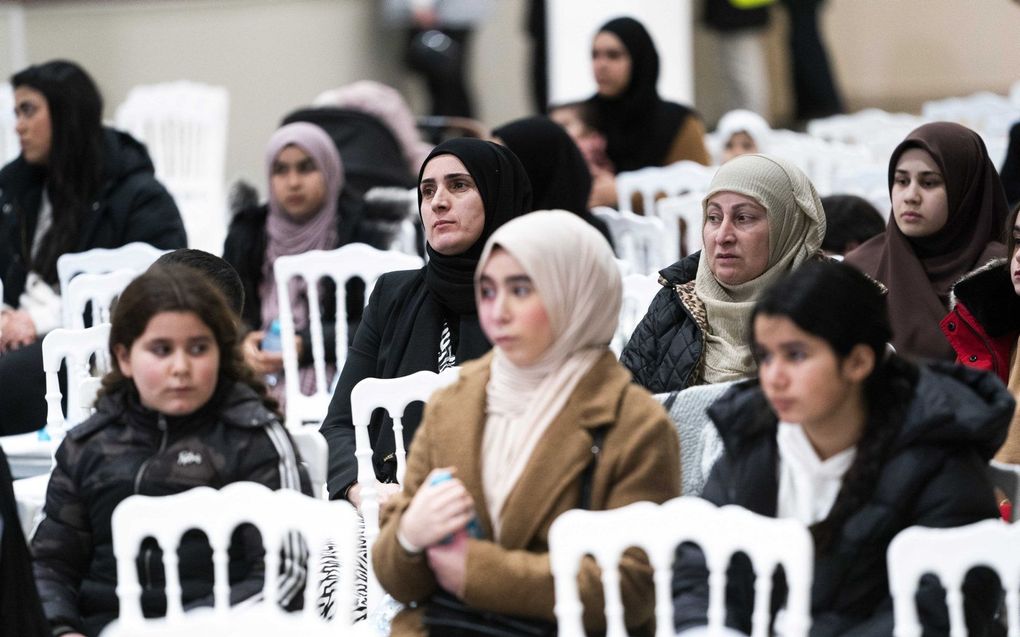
[(147, 553)]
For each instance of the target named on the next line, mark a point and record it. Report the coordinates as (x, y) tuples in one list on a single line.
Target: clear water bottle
[(271, 342)]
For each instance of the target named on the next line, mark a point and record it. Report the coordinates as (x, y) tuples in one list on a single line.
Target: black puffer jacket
[(132, 206), (935, 476), (665, 351), (126, 449)]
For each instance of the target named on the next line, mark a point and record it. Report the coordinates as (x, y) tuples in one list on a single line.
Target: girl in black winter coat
[(75, 186), (856, 443), (179, 410)]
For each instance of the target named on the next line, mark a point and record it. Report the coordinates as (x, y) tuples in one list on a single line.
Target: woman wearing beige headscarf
[(517, 430), (762, 219)]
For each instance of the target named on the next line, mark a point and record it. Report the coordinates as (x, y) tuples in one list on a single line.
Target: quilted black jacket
[(665, 351)]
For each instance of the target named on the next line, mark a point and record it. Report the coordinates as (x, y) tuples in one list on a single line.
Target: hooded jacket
[(935, 476), (983, 323), (131, 206), (127, 449)]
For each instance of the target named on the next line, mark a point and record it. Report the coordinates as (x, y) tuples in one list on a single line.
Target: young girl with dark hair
[(856, 443), (179, 410), (75, 186)]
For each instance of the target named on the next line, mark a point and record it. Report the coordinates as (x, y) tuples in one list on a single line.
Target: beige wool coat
[(640, 460)]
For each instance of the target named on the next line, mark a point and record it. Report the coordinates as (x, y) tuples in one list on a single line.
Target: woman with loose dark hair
[(75, 186), (180, 409), (856, 443), (983, 324)]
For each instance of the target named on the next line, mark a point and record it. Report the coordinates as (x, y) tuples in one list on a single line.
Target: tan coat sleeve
[(689, 143), (641, 461)]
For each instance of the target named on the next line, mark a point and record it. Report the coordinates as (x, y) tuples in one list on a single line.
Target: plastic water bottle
[(474, 529), (271, 342)]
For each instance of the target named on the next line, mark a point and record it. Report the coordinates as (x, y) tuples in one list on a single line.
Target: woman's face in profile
[(736, 238), (452, 210), (610, 64), (510, 311), (298, 184), (33, 125)]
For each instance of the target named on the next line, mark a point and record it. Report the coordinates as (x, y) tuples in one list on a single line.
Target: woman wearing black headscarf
[(560, 179), (641, 128), (426, 319), (948, 212)]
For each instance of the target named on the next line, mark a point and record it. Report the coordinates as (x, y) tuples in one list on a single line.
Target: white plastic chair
[(217, 513), (676, 179), (98, 289), (393, 395), (1007, 477), (340, 265), (638, 292), (686, 208), (950, 554), (77, 348), (135, 256), (10, 147), (638, 239), (314, 452), (184, 126), (658, 530)]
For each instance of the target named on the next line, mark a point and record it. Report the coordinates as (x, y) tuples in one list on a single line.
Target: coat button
[(972, 358), (952, 326)]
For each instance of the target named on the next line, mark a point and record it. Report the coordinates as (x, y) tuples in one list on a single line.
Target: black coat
[(382, 349), (935, 475), (125, 449), (20, 610), (245, 249), (132, 206), (665, 351)]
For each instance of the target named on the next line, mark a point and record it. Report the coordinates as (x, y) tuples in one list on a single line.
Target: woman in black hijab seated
[(560, 179), (641, 128), (426, 319)]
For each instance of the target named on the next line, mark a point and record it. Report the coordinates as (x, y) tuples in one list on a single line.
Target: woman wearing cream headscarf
[(516, 431), (762, 218)]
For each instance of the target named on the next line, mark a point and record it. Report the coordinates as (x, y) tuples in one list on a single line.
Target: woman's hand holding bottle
[(439, 509)]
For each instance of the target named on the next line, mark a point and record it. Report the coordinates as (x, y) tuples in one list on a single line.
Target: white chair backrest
[(658, 530), (638, 292), (314, 452), (135, 256), (184, 126), (1007, 477), (340, 265), (686, 208), (950, 554), (76, 347), (98, 289), (676, 179), (10, 147), (393, 395), (639, 240), (217, 513)]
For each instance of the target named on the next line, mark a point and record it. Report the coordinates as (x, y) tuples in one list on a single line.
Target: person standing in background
[(741, 55), (814, 86), (438, 33)]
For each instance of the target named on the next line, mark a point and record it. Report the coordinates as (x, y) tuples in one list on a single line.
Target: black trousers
[(444, 72)]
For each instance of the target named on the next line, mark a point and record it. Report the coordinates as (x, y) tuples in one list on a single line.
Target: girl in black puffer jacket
[(857, 444), (179, 410)]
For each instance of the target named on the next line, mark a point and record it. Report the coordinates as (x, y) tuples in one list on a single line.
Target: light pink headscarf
[(286, 236)]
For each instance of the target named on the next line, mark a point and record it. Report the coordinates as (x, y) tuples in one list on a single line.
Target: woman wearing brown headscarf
[(948, 211)]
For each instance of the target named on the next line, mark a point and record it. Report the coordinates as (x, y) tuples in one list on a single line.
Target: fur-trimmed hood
[(990, 297)]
